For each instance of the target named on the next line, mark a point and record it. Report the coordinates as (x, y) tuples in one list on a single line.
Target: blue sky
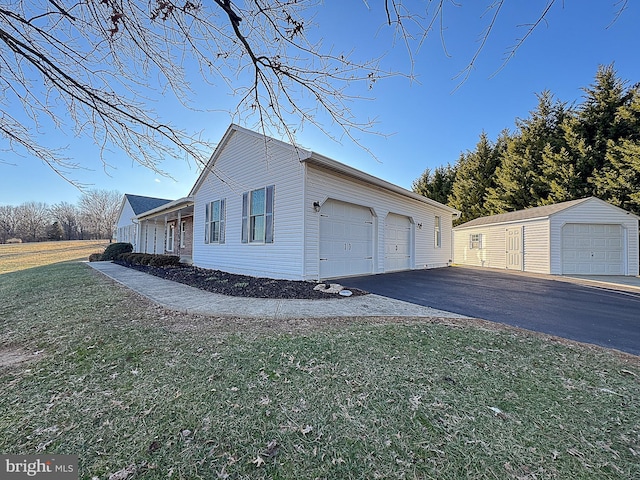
[(429, 121)]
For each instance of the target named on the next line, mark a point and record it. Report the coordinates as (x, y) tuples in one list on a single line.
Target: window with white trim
[(437, 235), (171, 230), (214, 221), (475, 241), (183, 233), (257, 215)]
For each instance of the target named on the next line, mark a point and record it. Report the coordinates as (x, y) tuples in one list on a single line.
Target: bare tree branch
[(93, 67)]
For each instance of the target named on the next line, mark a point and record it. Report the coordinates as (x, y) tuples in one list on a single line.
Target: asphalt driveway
[(588, 314)]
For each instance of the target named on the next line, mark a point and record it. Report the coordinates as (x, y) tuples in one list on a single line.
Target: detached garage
[(580, 237)]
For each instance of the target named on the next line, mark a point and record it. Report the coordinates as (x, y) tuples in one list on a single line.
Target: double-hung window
[(257, 215), (475, 241), (214, 221), (171, 232), (437, 240), (183, 234)]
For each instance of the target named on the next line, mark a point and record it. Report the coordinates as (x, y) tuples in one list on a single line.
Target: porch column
[(179, 229)]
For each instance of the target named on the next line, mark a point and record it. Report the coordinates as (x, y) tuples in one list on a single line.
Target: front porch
[(168, 230)]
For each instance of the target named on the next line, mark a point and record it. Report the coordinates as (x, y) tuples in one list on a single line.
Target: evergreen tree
[(474, 176), (598, 120), (437, 185), (520, 180), (619, 180), (55, 232)]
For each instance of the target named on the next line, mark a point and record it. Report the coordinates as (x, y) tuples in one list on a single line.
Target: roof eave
[(326, 162), (506, 222)]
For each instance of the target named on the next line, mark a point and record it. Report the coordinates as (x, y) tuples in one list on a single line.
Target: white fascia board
[(326, 162)]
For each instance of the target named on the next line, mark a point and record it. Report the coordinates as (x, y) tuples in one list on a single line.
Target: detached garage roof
[(531, 213)]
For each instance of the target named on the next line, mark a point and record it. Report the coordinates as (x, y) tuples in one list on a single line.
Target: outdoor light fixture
[(316, 206), (420, 226)]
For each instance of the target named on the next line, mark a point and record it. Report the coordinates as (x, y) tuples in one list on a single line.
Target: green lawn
[(133, 388)]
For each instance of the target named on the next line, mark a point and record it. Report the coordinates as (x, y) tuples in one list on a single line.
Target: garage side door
[(592, 249), (397, 243), (346, 239)]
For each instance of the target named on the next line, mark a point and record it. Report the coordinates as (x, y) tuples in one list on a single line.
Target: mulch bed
[(231, 284)]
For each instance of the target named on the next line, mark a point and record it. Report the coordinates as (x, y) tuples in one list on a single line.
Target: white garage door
[(592, 249), (397, 243), (346, 239)]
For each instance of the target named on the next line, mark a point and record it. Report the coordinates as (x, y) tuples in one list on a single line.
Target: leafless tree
[(68, 216), (105, 61), (33, 218), (99, 212), (9, 222)]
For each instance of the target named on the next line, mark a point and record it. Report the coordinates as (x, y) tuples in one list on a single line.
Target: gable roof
[(140, 204), (231, 130), (544, 211), (313, 158)]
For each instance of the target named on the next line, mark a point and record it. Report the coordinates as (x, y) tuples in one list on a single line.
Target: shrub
[(127, 257), (115, 249), (145, 259), (164, 260), (95, 257)]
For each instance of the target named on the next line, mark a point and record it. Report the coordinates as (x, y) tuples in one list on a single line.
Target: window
[(475, 241), (183, 234), (170, 236), (257, 215), (214, 221), (436, 233)]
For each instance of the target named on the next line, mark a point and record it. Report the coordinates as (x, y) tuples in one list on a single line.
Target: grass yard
[(89, 368), (21, 256)]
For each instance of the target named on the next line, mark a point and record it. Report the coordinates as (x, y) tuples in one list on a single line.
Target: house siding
[(595, 212), (322, 184), (492, 252), (248, 162), (125, 229), (542, 238), (535, 244)]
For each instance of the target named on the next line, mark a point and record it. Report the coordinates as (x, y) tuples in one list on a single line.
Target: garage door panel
[(397, 243), (593, 249), (346, 239)]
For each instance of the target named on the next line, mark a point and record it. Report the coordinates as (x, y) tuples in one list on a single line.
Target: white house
[(132, 206), (263, 207), (586, 236)]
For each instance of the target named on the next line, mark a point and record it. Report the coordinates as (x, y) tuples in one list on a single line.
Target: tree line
[(560, 152), (92, 218)]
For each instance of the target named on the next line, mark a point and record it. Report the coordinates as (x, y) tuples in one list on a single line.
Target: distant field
[(20, 256)]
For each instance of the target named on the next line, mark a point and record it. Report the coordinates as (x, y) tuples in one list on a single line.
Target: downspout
[(304, 220)]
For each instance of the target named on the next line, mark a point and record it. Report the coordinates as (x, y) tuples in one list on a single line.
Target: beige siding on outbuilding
[(603, 239)]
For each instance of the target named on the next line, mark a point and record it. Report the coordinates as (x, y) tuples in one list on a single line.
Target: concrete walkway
[(614, 282), (183, 298)]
